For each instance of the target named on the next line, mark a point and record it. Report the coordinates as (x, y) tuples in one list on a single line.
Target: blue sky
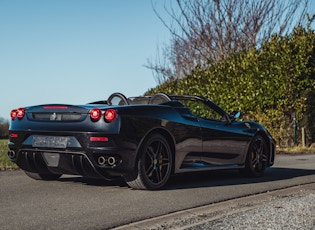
[(75, 51)]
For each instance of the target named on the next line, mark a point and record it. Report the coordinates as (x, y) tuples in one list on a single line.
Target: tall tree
[(207, 31)]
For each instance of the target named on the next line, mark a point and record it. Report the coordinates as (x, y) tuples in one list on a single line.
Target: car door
[(223, 144), (223, 141)]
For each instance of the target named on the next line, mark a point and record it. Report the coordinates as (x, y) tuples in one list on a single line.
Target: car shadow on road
[(232, 177), (93, 181), (203, 179)]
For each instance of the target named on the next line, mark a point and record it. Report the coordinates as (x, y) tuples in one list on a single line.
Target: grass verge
[(5, 162), (296, 150)]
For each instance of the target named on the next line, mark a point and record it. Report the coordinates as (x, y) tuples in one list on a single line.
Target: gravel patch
[(291, 208), (297, 212)]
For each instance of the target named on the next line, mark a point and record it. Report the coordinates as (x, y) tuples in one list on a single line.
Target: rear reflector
[(98, 138), (14, 135)]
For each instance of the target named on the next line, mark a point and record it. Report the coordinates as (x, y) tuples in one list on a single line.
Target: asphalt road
[(76, 203)]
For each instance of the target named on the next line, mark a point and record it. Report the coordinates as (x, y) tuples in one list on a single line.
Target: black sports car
[(143, 139)]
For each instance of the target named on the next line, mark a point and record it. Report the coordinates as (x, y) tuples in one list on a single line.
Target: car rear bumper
[(80, 157)]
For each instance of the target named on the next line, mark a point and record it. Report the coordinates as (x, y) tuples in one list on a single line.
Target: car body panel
[(64, 139)]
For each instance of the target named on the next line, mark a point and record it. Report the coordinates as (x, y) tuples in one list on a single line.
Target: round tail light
[(95, 114), (13, 114), (110, 115), (20, 112)]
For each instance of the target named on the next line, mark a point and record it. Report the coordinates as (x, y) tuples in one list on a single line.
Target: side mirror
[(235, 114)]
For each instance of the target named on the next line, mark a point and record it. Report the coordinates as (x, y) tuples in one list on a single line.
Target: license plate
[(50, 141)]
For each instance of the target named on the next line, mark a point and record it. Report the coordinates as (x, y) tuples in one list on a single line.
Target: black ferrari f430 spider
[(142, 139)]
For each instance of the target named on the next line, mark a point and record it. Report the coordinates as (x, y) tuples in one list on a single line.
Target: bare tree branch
[(207, 31)]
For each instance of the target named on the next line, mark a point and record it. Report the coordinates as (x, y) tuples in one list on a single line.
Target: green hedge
[(269, 84)]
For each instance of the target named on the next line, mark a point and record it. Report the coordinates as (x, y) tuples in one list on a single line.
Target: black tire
[(256, 159), (43, 176), (154, 166)]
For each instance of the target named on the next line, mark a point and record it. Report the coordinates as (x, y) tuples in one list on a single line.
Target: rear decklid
[(65, 118), (58, 112)]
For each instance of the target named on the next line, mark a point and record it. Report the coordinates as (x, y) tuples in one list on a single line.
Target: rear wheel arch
[(166, 134), (154, 163)]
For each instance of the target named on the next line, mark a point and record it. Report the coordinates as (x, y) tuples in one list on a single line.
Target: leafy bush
[(269, 83)]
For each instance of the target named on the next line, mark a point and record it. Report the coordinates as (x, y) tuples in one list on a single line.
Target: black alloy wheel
[(257, 157), (154, 166)]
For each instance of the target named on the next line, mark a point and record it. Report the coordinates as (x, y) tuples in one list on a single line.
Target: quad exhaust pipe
[(11, 154), (111, 161), (106, 161), (101, 161)]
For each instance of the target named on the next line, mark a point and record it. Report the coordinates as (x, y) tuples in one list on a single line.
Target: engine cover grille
[(56, 116)]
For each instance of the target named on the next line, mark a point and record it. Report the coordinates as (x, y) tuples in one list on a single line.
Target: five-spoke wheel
[(257, 158), (154, 165)]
